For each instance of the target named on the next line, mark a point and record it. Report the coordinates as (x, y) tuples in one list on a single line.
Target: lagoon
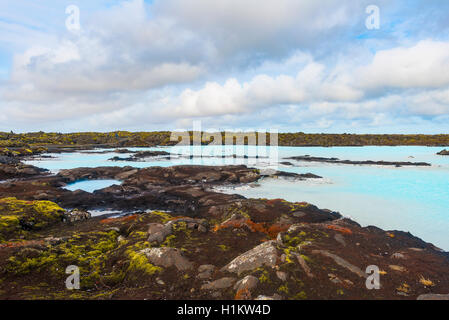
[(414, 199)]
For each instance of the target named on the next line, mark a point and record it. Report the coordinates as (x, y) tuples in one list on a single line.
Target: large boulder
[(167, 257), (265, 254)]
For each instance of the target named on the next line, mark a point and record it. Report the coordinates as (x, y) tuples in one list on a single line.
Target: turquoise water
[(90, 185), (414, 199)]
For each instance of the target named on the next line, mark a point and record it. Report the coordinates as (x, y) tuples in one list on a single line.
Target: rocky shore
[(181, 239)]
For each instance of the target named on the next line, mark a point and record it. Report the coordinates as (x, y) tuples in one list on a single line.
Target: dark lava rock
[(368, 162), (443, 152), (141, 155), (10, 169)]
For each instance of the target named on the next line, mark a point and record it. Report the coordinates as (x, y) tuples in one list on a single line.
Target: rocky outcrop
[(10, 169), (443, 153), (18, 217), (249, 255), (368, 162), (140, 155)]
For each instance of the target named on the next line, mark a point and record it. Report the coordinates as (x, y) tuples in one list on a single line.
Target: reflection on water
[(414, 199)]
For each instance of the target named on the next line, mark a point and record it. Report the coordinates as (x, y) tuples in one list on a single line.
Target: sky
[(287, 65)]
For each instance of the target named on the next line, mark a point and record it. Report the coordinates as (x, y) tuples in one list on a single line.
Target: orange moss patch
[(120, 219), (277, 228), (22, 244), (274, 201), (339, 229), (272, 231), (178, 218), (243, 294)]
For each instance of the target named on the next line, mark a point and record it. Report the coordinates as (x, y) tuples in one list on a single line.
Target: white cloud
[(424, 65)]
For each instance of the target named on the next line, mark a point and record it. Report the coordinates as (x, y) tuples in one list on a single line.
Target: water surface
[(91, 185)]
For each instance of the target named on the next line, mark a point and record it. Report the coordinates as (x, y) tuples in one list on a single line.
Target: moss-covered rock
[(19, 216)]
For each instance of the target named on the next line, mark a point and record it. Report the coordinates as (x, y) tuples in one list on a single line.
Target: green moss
[(139, 262), (300, 296), (294, 241), (8, 226), (169, 241), (264, 276), (17, 216), (223, 247), (306, 258), (138, 235), (163, 216), (283, 289), (88, 251)]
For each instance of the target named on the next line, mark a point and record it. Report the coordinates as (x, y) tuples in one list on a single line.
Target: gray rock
[(158, 232), (206, 271), (167, 257), (341, 262), (340, 239), (273, 297), (247, 283), (397, 255), (265, 254), (75, 215), (279, 239), (222, 283), (304, 265), (432, 296), (126, 174), (281, 275)]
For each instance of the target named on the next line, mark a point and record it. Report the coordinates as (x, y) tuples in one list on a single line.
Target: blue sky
[(291, 65)]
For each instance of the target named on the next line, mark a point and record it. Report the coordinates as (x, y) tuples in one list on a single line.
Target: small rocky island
[(178, 238), (443, 152), (308, 158)]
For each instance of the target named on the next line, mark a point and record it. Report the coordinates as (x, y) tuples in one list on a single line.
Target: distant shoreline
[(120, 139)]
